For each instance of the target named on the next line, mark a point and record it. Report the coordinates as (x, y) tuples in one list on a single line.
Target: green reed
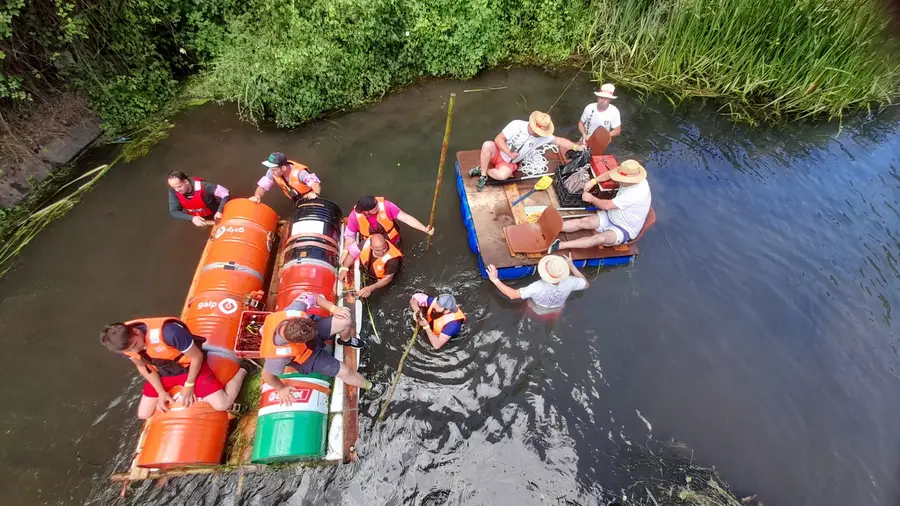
[(765, 58)]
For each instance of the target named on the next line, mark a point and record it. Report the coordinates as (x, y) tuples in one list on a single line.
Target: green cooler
[(298, 431)]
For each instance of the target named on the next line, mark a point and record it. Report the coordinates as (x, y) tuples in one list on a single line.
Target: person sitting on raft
[(168, 355), (379, 258), (293, 338), (294, 178), (620, 219), (376, 215), (195, 200), (440, 317), (601, 114), (500, 157), (559, 278)]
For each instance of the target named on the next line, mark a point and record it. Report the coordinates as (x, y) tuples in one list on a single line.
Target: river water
[(757, 327)]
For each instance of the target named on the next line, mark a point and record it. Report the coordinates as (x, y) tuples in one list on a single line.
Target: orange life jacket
[(376, 266), (293, 182), (385, 225), (438, 323), (268, 349), (158, 355)]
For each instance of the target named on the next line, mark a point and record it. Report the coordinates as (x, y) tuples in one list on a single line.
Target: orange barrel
[(184, 437), (310, 253), (235, 265)]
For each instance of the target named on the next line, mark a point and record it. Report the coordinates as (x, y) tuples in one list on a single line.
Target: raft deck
[(486, 213)]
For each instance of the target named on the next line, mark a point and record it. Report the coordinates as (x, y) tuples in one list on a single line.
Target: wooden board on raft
[(492, 211)]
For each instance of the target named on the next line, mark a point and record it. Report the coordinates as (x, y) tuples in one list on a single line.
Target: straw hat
[(553, 269), (606, 91), (541, 123), (628, 171)]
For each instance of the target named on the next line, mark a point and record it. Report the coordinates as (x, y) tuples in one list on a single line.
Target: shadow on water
[(757, 326)]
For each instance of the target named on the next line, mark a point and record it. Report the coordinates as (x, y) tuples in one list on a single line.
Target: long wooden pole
[(440, 174), (409, 346)]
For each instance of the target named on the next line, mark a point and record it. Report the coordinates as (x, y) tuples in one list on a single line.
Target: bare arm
[(411, 221), (196, 356), (500, 141), (316, 188), (258, 194), (505, 289), (272, 380), (381, 283), (603, 204), (565, 144), (152, 377), (574, 270), (582, 129), (615, 131)]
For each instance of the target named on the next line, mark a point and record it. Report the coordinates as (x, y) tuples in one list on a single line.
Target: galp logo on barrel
[(228, 306)]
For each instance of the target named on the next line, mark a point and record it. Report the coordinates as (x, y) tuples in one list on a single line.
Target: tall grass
[(766, 58)]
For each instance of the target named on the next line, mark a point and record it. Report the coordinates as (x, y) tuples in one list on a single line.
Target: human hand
[(284, 396), (343, 312), (162, 403), (492, 273), (187, 396), (429, 230), (311, 195), (421, 320), (198, 221), (342, 274), (365, 291), (254, 199), (568, 257), (587, 197), (218, 216)]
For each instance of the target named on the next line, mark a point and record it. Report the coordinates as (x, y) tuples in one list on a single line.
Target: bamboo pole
[(409, 346), (440, 174)]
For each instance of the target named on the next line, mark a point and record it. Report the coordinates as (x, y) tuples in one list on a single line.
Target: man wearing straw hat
[(559, 278), (501, 156), (620, 219), (601, 114)]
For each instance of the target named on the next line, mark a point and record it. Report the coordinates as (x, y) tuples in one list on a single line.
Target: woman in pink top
[(377, 215)]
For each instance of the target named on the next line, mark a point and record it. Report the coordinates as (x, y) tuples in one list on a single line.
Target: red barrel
[(234, 266)]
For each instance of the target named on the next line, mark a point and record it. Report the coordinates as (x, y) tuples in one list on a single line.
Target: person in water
[(601, 114), (619, 219), (294, 178), (440, 317), (292, 338), (376, 215), (500, 157), (379, 258), (195, 200), (168, 355), (559, 278)]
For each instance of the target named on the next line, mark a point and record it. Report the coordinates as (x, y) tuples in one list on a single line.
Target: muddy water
[(758, 327)]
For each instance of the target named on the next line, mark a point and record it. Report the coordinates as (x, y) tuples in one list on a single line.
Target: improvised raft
[(236, 279), (488, 214)]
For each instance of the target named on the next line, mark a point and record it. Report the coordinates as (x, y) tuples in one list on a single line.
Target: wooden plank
[(351, 408)]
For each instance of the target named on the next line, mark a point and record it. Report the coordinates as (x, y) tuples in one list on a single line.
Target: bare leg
[(224, 399), (488, 150), (586, 223), (351, 377), (146, 407), (606, 238), (500, 173), (343, 327)]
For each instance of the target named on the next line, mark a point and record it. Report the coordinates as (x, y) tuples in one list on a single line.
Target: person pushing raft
[(294, 179), (377, 215), (440, 317), (379, 258), (195, 200)]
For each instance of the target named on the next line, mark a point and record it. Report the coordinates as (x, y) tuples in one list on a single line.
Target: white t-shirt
[(633, 204), (608, 119), (552, 296), (519, 140)]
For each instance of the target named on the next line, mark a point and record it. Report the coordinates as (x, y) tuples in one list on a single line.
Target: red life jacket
[(268, 349), (384, 226), (158, 355), (439, 322), (376, 266), (198, 203)]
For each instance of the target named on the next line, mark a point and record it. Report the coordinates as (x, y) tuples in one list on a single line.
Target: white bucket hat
[(606, 91), (553, 269)]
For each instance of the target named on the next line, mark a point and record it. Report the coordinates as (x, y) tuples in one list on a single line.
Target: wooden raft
[(492, 210)]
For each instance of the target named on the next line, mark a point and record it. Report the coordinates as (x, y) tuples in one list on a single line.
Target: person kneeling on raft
[(619, 219), (440, 317), (293, 338), (380, 259), (168, 355), (501, 157), (559, 278), (295, 179)]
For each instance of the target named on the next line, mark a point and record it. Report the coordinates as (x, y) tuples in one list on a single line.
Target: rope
[(409, 346), (535, 163)]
